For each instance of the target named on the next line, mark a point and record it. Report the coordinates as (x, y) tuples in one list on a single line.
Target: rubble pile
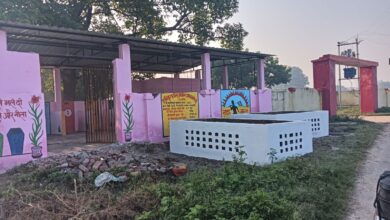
[(134, 158)]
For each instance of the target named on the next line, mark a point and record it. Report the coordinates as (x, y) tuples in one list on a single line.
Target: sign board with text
[(178, 106)]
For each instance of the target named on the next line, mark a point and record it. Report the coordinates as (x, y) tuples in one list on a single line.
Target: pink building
[(116, 108)]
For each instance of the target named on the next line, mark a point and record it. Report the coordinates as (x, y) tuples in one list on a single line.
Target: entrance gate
[(99, 105)]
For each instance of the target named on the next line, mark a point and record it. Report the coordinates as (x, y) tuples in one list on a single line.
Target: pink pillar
[(206, 71), (260, 63), (368, 89), (325, 82), (122, 80), (225, 78)]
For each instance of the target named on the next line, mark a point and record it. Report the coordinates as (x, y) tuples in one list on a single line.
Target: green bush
[(232, 192), (383, 110)]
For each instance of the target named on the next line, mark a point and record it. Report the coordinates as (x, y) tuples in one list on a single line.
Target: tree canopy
[(198, 21), (191, 21), (244, 75)]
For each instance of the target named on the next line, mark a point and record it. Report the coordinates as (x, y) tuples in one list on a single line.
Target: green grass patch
[(316, 186)]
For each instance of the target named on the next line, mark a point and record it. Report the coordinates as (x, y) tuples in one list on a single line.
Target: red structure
[(325, 81)]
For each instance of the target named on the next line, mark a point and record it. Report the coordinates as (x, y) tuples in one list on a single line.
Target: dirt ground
[(58, 144), (377, 161)]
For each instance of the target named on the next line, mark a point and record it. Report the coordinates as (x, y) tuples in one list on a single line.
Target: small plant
[(272, 155), (241, 155)]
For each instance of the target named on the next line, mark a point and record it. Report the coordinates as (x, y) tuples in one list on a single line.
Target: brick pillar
[(368, 90)]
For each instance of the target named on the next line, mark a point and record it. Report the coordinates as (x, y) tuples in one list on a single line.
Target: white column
[(57, 88), (206, 71)]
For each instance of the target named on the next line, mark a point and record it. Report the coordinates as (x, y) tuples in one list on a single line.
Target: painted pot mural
[(16, 140), (128, 112), (1, 144), (37, 132)]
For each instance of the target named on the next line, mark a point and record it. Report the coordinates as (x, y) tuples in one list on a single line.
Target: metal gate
[(99, 105)]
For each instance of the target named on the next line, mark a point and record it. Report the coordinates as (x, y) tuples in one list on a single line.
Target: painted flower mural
[(128, 112), (36, 135)]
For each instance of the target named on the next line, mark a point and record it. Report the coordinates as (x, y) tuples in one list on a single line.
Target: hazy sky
[(298, 31)]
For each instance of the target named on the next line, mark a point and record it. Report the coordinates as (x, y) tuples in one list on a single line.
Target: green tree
[(244, 75), (198, 21), (276, 73)]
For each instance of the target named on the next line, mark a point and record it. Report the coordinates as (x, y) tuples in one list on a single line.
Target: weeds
[(315, 186)]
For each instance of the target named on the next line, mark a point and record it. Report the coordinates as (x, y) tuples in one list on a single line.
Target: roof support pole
[(260, 71), (197, 74), (3, 41), (206, 71), (176, 76), (122, 79), (58, 101), (225, 78)]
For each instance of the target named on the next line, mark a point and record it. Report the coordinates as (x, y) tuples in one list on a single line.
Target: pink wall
[(17, 92), (147, 114), (143, 99), (161, 85)]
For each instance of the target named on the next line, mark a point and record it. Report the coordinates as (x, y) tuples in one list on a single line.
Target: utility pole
[(339, 45)]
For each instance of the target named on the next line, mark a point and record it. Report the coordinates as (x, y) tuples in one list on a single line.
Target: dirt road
[(377, 161)]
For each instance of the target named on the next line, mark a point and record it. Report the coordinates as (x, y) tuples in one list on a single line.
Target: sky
[(298, 31)]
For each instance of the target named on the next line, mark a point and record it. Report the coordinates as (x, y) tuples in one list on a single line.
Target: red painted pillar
[(325, 82), (368, 90)]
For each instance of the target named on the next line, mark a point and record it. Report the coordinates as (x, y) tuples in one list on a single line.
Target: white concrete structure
[(319, 120), (300, 99), (220, 139)]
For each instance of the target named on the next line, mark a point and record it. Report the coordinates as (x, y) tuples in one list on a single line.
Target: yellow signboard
[(177, 106)]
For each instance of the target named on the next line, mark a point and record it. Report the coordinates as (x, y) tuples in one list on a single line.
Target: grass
[(351, 111), (315, 186)]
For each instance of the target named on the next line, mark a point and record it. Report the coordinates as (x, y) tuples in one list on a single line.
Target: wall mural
[(16, 140), (177, 106), (235, 102), (15, 115), (128, 112), (37, 132)]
